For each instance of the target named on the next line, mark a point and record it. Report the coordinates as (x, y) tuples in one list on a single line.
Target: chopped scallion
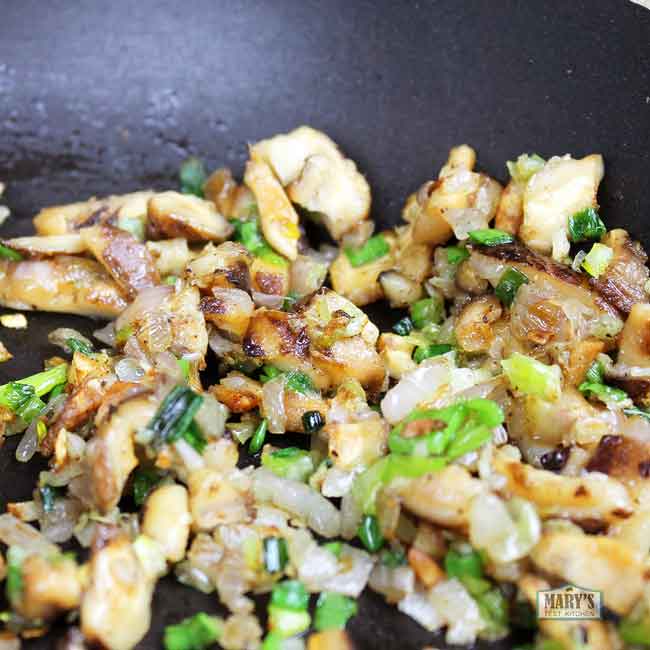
[(248, 234), (524, 167), (434, 350), (184, 366), (195, 633), (192, 176), (290, 594), (490, 237), (124, 334), (174, 415), (257, 441), (14, 579), (509, 284), (635, 411), (459, 565), (392, 558), (595, 374), (372, 250), (586, 226), (607, 394), (333, 611), (533, 377), (312, 421), (334, 548), (456, 254), (290, 462), (370, 533), (403, 327), (427, 310), (144, 480), (597, 260), (77, 345), (195, 437), (10, 254), (635, 632), (49, 495), (276, 554)]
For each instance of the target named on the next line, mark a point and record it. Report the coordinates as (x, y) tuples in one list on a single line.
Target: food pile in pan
[(493, 444)]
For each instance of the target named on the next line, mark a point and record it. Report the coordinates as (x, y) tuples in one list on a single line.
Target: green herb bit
[(49, 495), (267, 254), (15, 395), (386, 469), (184, 366), (635, 411), (586, 225), (276, 554), (295, 379), (456, 254), (291, 463), (427, 310), (41, 431), (257, 441), (509, 284), (635, 632), (144, 480), (372, 250), (596, 373), (287, 622), (124, 334), (460, 565), (299, 382), (522, 169), (272, 641), (10, 254), (597, 260), (195, 633), (333, 611), (312, 421), (77, 345), (193, 436), (269, 372), (248, 234), (290, 594), (606, 394), (392, 558), (290, 301), (32, 408), (170, 280), (22, 399), (335, 548), (453, 430), (14, 584), (43, 382), (174, 415), (403, 327), (370, 533), (56, 391), (494, 609), (490, 237), (533, 377), (434, 350), (192, 176)]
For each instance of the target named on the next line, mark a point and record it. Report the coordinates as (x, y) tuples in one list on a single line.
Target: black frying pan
[(99, 98)]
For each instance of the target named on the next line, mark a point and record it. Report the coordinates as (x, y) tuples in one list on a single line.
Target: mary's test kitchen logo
[(569, 602)]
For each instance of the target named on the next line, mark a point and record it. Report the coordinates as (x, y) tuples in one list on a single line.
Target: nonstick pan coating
[(99, 98)]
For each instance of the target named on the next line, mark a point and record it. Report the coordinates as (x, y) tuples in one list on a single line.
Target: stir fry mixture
[(493, 443)]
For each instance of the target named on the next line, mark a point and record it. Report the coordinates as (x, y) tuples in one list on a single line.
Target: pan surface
[(99, 98)]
